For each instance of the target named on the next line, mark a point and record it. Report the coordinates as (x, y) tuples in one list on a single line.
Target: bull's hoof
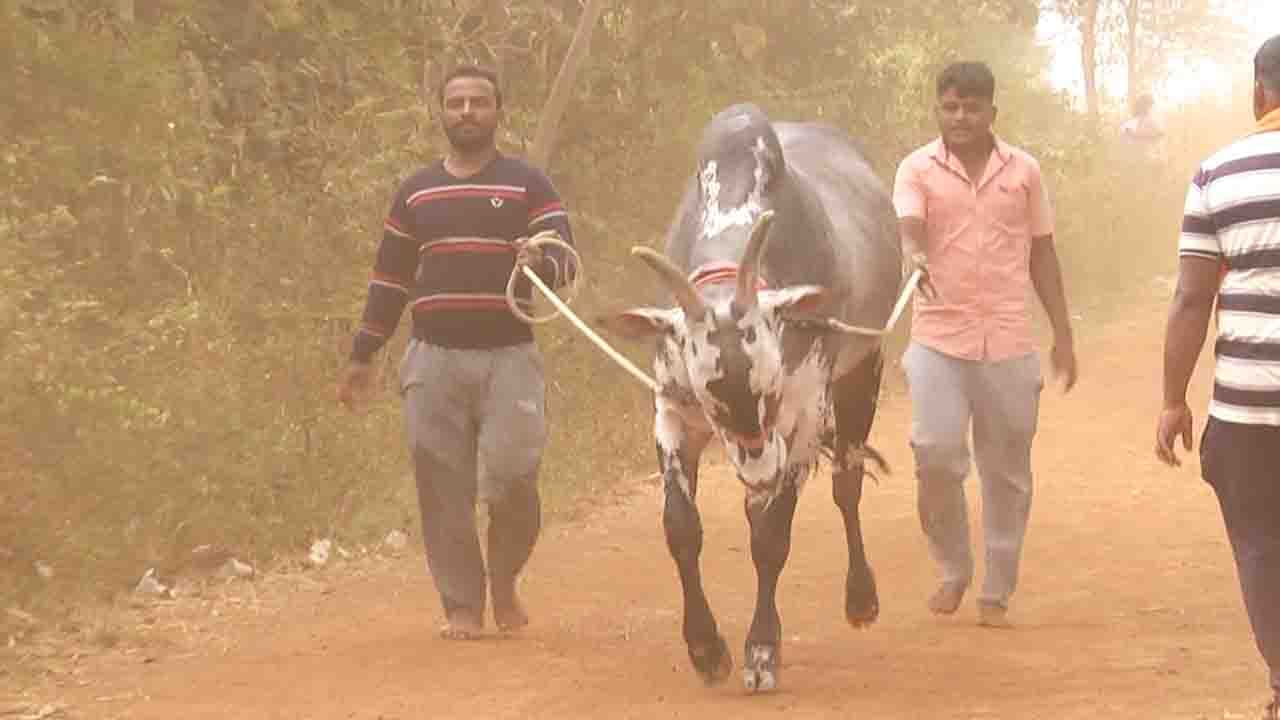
[(713, 662), (861, 601), (760, 668)]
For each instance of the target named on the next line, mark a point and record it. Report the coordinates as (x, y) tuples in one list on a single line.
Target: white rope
[(546, 237), (591, 335), (907, 290), (562, 308), (549, 237)]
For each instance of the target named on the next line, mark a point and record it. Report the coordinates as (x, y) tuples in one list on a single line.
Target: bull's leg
[(770, 545), (861, 601), (855, 397), (683, 529)]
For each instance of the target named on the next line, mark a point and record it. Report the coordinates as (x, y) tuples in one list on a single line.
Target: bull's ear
[(641, 322), (794, 300)]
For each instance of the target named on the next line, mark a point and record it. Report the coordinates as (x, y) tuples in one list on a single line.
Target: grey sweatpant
[(475, 421), (1001, 401)]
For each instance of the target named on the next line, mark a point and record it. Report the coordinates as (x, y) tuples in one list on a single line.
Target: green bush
[(193, 201)]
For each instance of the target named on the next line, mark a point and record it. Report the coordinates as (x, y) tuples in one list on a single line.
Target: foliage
[(194, 196), (1148, 37)]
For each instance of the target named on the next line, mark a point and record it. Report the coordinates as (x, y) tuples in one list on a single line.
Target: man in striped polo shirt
[(1232, 220), (471, 377)]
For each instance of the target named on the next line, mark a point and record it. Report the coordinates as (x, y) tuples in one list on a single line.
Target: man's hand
[(528, 254), (1062, 361), (919, 261), (1174, 422), (356, 384)]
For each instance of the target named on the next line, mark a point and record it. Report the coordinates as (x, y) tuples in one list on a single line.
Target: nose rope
[(551, 238), (833, 324)]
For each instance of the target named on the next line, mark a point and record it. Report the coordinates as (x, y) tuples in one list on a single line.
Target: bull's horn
[(675, 280), (749, 268)]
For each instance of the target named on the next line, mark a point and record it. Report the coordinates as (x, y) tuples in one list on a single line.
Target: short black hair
[(474, 71), (969, 79), (1266, 65)]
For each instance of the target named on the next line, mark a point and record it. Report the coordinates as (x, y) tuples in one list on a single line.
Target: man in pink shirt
[(974, 214)]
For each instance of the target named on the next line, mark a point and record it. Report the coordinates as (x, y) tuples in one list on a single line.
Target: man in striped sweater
[(472, 379), (1233, 219)]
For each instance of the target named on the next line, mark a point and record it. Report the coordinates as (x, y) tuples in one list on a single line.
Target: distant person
[(472, 380), (975, 214), (1232, 217), (1143, 126), (1143, 130)]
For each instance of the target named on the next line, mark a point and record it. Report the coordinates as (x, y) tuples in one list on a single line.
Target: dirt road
[(1128, 607)]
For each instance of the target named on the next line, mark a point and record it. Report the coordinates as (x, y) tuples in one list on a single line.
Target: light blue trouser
[(476, 427), (1001, 401)]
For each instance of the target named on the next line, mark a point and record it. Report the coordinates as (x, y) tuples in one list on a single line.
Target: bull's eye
[(749, 336)]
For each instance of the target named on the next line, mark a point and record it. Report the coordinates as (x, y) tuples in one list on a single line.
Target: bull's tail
[(865, 453), (860, 456)]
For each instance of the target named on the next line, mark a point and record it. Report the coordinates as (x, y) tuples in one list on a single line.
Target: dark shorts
[(1242, 463)]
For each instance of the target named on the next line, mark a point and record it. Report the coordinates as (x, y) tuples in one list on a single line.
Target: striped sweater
[(1233, 218), (447, 251)]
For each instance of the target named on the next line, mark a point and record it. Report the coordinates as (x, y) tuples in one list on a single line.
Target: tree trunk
[(249, 22), (635, 40), (498, 25), (544, 139), (430, 73), (1089, 55), (1132, 14)]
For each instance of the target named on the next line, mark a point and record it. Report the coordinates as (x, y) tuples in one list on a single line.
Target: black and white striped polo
[(1233, 216)]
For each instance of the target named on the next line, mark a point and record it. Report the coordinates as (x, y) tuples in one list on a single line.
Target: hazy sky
[(1262, 19)]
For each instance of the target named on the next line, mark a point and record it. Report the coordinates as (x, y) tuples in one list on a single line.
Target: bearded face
[(471, 113)]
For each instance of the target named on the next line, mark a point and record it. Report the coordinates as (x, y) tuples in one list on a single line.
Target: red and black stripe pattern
[(447, 250)]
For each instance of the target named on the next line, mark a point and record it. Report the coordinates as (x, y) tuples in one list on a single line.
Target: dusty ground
[(1128, 608)]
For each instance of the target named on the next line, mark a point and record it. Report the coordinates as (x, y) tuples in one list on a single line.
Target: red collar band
[(720, 272)]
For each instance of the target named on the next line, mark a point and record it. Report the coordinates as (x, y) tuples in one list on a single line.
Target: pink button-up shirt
[(978, 245)]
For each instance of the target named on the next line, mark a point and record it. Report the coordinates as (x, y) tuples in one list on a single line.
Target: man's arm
[(393, 272), (547, 212), (913, 231), (1188, 325), (1199, 276), (911, 204), (1046, 277)]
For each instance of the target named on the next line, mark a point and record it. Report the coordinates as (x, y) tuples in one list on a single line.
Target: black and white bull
[(785, 225)]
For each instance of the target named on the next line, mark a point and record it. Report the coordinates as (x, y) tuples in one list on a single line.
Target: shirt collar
[(938, 150), (1003, 155)]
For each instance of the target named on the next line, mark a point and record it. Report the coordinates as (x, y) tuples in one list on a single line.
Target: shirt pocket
[(1009, 207)]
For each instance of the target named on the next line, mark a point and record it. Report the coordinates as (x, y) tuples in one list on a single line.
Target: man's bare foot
[(946, 599), (993, 616), (510, 616), (462, 625)]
